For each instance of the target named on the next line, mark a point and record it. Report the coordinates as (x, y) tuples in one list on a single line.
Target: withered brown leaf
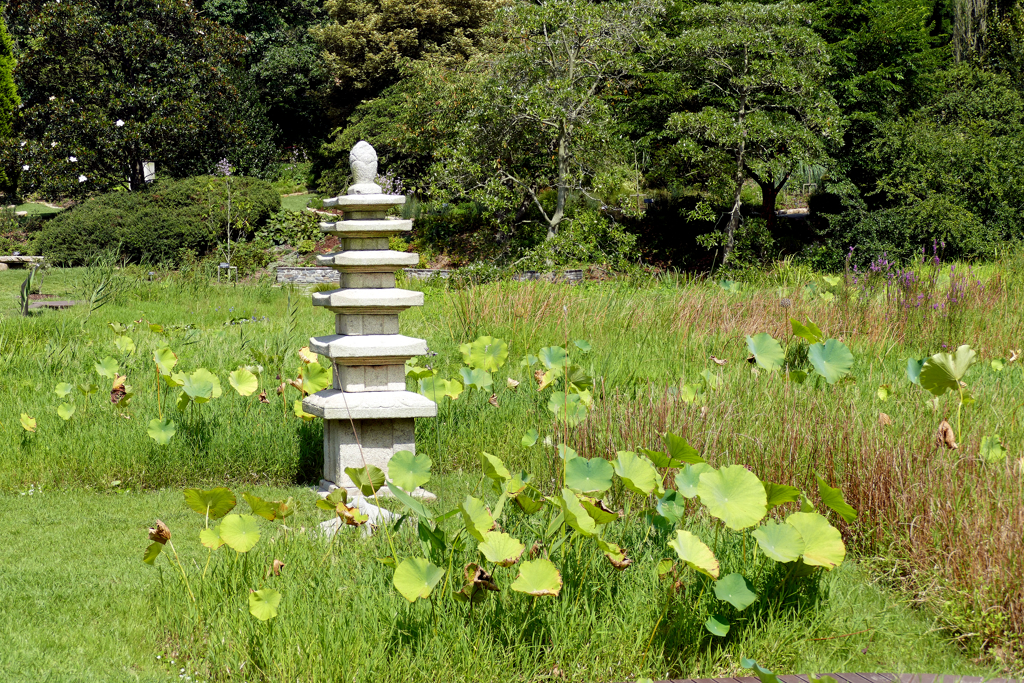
[(160, 533), (263, 397), (538, 375), (946, 436), (884, 420), (719, 361), (493, 400), (276, 568)]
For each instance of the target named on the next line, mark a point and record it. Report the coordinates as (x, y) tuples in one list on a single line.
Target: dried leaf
[(493, 400), (160, 533), (539, 376), (276, 568), (119, 390), (884, 420), (479, 577), (263, 397), (512, 384), (946, 437), (1014, 354), (719, 361), (280, 388), (535, 550), (306, 355), (703, 412)]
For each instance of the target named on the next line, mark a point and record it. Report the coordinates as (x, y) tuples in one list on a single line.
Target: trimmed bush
[(155, 224)]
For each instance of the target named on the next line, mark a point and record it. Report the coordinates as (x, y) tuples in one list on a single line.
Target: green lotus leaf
[(767, 352), (711, 380), (210, 538), (501, 549), (125, 345), (106, 367), (66, 410), (63, 389), (833, 498), (539, 578), (615, 554), (992, 450), (417, 507), (494, 469), (943, 371), (87, 389), (637, 474), (197, 389), (796, 376), (530, 437), (780, 542), (690, 392), (152, 552), (576, 515), (418, 373), (914, 366), (240, 532), (764, 675), (588, 475), (264, 508), (569, 407), (582, 345), (516, 483), (486, 353), (174, 380), (476, 378), (997, 364), (553, 357), (476, 517), (408, 470), (680, 451), (778, 494), (315, 377), (243, 381), (263, 603), (331, 501), (695, 553), (214, 503), (734, 495), (368, 479), (884, 390), (416, 577), (161, 431), (597, 511), (530, 501), (299, 412), (810, 332), (832, 360), (688, 478), (717, 625), (823, 544), (454, 389), (672, 506), (566, 453), (735, 590)]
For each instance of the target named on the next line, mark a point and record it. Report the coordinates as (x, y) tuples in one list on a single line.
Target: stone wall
[(307, 276)]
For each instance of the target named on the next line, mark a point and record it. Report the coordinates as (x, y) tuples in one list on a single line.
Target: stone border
[(314, 275)]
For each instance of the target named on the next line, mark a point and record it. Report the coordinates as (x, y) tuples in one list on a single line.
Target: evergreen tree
[(8, 93)]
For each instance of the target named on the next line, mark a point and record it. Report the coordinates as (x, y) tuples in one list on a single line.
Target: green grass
[(296, 202), (34, 209), (648, 337)]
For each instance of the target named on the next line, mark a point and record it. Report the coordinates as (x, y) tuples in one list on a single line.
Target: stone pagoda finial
[(363, 159)]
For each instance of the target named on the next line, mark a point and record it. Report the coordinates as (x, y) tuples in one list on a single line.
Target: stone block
[(366, 226), (373, 442), (367, 280), (355, 324), (333, 404), (368, 349), (358, 378), (378, 301), (375, 261)]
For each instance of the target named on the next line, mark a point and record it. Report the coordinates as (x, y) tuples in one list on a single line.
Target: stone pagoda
[(368, 414)]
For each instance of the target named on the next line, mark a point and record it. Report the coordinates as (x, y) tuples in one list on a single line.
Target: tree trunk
[(734, 215), (970, 28), (769, 196), (563, 178)]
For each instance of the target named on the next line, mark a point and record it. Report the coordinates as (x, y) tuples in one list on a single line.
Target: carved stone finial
[(363, 159)]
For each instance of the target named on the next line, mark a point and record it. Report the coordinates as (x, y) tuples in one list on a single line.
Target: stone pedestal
[(368, 414)]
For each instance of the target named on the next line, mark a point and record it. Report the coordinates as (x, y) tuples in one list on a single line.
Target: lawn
[(70, 554)]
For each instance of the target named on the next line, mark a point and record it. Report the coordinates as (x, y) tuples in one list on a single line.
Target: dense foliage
[(155, 225)]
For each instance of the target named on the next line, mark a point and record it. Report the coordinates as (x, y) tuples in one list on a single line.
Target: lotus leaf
[(695, 553), (66, 410), (689, 477), (576, 515), (914, 366), (63, 389), (588, 475), (767, 352), (530, 437), (243, 381), (152, 552), (263, 603), (553, 357), (810, 332), (717, 625), (823, 544), (597, 511), (494, 468), (992, 449), (264, 508), (368, 479), (161, 431), (672, 506), (106, 367), (501, 549), (734, 495), (315, 377), (240, 532), (764, 675), (416, 577), (125, 345), (943, 371), (214, 503), (408, 470), (735, 590), (780, 542), (486, 353), (210, 538), (476, 378), (539, 578), (778, 494), (680, 450), (637, 473), (833, 498), (832, 360), (476, 517)]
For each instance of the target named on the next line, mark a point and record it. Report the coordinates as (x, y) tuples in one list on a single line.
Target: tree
[(755, 102), (108, 86), (9, 101), (542, 120)]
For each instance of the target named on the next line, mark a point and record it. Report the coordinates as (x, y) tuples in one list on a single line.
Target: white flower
[(82, 178), (53, 144), (119, 123), (24, 142), (72, 159), (25, 167), (53, 97)]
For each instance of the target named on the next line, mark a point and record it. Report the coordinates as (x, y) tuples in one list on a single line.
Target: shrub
[(291, 227), (154, 224), (586, 238)]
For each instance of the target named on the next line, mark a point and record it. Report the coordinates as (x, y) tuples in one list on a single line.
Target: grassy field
[(70, 553)]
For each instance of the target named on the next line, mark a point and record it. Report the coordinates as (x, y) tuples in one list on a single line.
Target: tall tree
[(108, 85), (543, 122), (9, 101), (755, 103)]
